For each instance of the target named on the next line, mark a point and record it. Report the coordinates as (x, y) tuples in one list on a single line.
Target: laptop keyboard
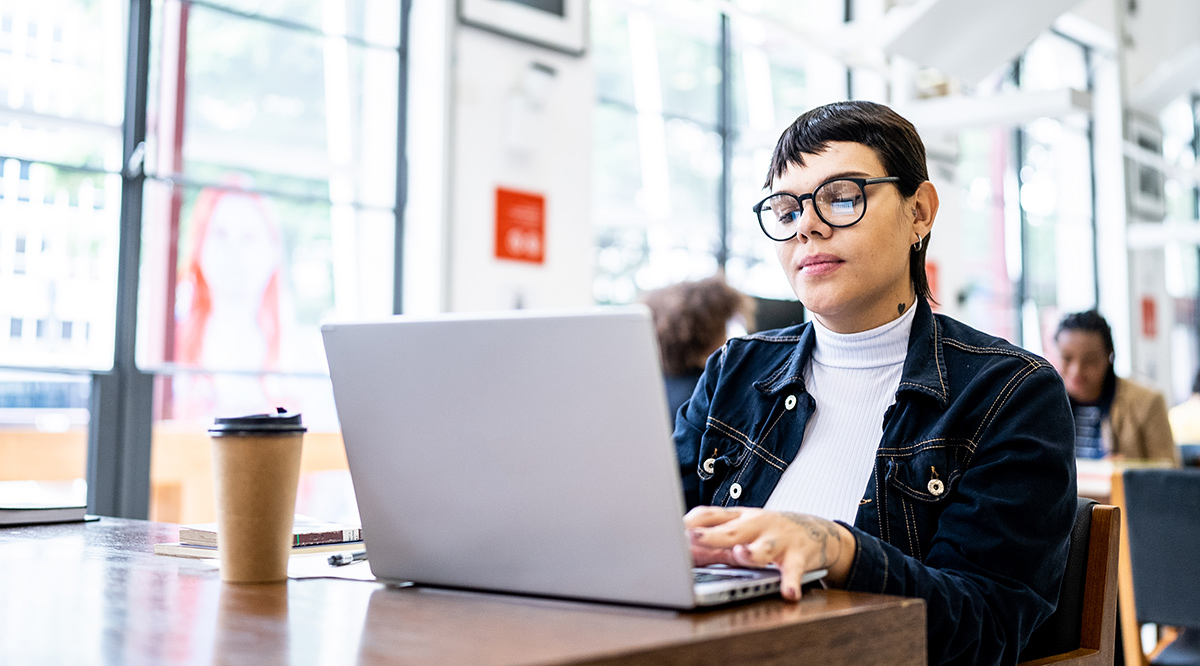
[(708, 576)]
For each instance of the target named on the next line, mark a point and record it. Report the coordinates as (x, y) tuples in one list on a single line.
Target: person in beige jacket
[(1114, 417)]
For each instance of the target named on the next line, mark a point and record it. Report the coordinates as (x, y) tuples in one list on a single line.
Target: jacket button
[(735, 491), (936, 487), (709, 465), (789, 403)]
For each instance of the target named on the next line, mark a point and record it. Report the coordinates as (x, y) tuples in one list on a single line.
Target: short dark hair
[(690, 320), (1089, 321), (894, 140)]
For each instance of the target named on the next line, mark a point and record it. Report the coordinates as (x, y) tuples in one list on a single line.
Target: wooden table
[(93, 593)]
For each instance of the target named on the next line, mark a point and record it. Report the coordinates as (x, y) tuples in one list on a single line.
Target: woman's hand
[(793, 542)]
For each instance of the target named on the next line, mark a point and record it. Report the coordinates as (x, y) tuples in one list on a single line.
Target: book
[(306, 531), (34, 513), (211, 552)]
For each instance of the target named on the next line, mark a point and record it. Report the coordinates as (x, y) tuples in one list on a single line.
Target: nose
[(809, 224)]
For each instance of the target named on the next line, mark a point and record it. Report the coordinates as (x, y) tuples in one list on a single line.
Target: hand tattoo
[(819, 530)]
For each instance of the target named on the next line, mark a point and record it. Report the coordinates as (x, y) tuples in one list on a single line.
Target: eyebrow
[(834, 176)]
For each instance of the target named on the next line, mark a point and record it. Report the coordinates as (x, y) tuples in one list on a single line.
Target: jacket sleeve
[(993, 567), (690, 422), (1157, 440)]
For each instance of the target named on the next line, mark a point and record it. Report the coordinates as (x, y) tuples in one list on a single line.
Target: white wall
[(501, 139), (472, 129)]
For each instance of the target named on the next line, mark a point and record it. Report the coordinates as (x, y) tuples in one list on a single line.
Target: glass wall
[(1181, 252), (1055, 196), (62, 69), (990, 252), (1022, 212), (661, 139), (269, 207), (657, 161), (771, 86)]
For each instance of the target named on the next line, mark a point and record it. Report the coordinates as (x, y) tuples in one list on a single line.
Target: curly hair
[(690, 320)]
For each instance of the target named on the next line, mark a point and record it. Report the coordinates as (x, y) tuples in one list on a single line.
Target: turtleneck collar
[(875, 348)]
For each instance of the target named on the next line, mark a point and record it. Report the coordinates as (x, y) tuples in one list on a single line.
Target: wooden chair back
[(1097, 613)]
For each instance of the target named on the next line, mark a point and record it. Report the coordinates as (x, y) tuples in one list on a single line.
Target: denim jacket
[(972, 498)]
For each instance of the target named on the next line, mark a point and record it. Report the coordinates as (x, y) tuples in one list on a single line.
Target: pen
[(347, 558)]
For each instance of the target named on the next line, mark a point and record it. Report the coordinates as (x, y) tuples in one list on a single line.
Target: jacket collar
[(924, 368)]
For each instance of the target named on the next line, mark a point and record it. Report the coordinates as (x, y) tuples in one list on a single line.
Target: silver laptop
[(521, 452)]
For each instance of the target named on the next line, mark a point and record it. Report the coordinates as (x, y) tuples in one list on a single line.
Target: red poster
[(1149, 324), (520, 226)]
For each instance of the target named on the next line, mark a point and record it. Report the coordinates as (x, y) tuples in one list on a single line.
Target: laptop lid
[(520, 452)]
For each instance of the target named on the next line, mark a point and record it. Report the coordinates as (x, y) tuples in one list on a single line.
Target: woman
[(903, 451), (1114, 417)]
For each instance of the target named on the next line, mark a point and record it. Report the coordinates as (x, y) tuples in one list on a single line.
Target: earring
[(916, 247)]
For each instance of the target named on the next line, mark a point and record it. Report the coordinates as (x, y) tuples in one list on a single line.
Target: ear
[(924, 205)]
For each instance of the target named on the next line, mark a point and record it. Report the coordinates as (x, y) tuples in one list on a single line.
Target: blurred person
[(1114, 417), (691, 321), (228, 307), (901, 450)]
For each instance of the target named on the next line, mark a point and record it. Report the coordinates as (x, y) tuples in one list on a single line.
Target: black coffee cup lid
[(280, 423)]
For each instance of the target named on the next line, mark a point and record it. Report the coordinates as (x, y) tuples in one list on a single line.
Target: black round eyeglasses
[(840, 202)]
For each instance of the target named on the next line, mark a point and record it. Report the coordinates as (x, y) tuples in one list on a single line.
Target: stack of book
[(309, 535), (38, 513), (28, 502)]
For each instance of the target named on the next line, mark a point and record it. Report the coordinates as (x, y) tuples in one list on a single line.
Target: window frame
[(121, 407)]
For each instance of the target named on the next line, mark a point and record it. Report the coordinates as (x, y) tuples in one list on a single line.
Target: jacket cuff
[(869, 570)]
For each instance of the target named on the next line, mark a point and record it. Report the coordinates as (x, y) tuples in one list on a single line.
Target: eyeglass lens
[(839, 203)]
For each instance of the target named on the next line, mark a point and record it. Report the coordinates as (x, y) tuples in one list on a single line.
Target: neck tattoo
[(900, 308)]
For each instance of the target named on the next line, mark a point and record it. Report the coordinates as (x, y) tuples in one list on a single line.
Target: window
[(62, 65), (1055, 196), (674, 176), (1024, 199), (270, 205), (270, 202), (658, 145), (771, 87), (1181, 254)]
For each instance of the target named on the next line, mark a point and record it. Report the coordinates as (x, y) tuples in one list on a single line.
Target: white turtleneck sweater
[(852, 378)]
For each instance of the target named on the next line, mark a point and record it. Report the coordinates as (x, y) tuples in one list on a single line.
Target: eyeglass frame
[(862, 186)]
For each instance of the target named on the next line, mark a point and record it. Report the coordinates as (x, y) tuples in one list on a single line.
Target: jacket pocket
[(719, 453), (928, 471)]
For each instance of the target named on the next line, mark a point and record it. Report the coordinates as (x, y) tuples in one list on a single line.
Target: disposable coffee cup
[(256, 465)]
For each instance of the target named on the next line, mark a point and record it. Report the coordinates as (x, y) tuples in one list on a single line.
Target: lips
[(820, 264)]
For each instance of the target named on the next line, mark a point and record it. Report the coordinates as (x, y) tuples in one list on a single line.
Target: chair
[(1163, 514), (1083, 626)]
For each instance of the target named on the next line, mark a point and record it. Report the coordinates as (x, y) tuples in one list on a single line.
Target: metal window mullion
[(1195, 110), (118, 470), (1021, 287), (1091, 147), (725, 129), (847, 17), (401, 161)]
